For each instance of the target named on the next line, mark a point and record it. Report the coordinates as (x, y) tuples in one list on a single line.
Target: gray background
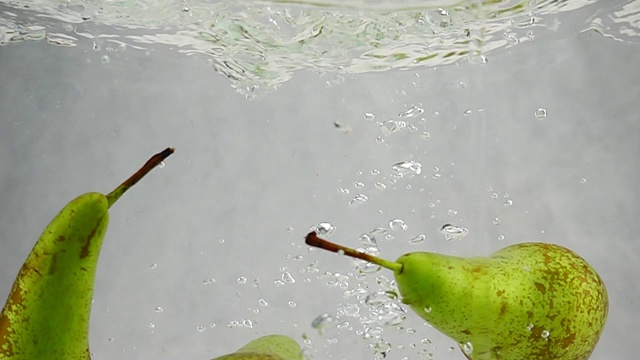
[(250, 177)]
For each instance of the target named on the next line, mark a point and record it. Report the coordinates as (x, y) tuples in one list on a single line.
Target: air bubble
[(263, 302), (397, 225), (322, 322), (541, 113), (508, 203), (208, 281), (545, 334), (453, 232), (201, 329), (242, 280), (292, 304), (427, 309), (368, 240), (438, 18), (359, 199), (417, 239), (247, 323), (411, 112), (325, 228), (380, 186), (407, 168), (425, 136), (369, 116), (467, 348), (529, 327), (392, 126), (286, 277), (158, 309), (496, 221), (105, 59)]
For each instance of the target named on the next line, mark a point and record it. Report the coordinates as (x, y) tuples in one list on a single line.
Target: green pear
[(270, 347), (533, 301), (46, 315)]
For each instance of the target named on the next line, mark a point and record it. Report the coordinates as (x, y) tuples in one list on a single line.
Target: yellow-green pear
[(46, 315), (528, 301), (270, 347)]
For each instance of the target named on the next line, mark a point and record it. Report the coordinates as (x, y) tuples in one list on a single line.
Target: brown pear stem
[(154, 161), (312, 239)]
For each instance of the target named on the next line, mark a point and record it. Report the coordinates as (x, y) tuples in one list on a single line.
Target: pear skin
[(533, 301), (270, 347), (46, 315)]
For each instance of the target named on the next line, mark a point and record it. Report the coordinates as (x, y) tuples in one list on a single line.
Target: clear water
[(377, 123)]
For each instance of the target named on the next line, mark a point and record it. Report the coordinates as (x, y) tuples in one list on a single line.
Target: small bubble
[(425, 136), (452, 212), (368, 240), (379, 140), (358, 184), (322, 321), (500, 237), (153, 266), (407, 168), (541, 113), (325, 228), (247, 323), (105, 59), (392, 126), (397, 225), (411, 112), (529, 327), (343, 191), (152, 325), (369, 116), (453, 232), (351, 310), (467, 348), (545, 334), (427, 309), (201, 329), (508, 203), (359, 199), (496, 221), (286, 277), (263, 302), (583, 180), (438, 18), (208, 281), (242, 280), (380, 186), (417, 239), (467, 112), (292, 304)]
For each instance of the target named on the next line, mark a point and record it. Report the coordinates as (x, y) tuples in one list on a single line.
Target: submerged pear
[(270, 347), (533, 301)]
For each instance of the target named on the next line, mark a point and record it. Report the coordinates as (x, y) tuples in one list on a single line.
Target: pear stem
[(312, 239), (154, 161)]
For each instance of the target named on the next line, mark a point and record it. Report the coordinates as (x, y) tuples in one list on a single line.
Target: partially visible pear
[(528, 301), (46, 315), (270, 347)]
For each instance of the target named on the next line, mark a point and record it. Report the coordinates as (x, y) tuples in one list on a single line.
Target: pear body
[(46, 315), (270, 347), (532, 301)]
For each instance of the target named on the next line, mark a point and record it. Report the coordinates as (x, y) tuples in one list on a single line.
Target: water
[(250, 93)]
